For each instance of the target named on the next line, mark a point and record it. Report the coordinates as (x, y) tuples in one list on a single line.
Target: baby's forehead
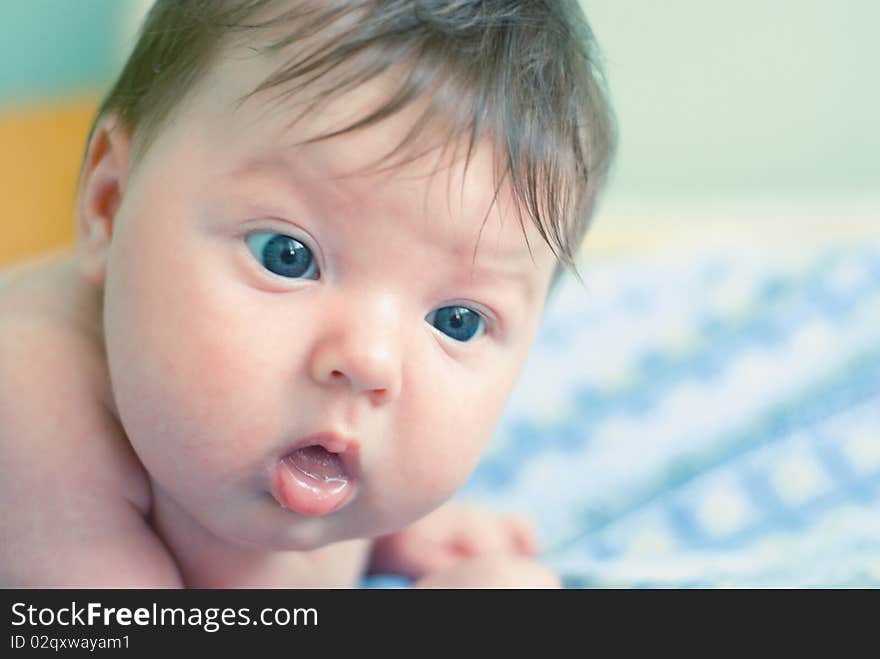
[(267, 132)]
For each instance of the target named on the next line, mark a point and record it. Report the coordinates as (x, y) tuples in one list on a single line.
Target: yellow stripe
[(39, 164)]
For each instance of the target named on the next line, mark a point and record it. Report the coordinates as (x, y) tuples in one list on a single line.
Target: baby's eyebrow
[(266, 163), (521, 278), (295, 176)]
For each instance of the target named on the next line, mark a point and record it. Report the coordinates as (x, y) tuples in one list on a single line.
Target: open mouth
[(312, 480)]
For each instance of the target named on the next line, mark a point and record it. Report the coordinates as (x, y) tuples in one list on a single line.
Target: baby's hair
[(525, 74)]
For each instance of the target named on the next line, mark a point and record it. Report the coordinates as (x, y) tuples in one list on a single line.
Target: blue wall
[(54, 48)]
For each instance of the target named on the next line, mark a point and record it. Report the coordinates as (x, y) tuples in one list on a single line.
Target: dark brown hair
[(524, 73)]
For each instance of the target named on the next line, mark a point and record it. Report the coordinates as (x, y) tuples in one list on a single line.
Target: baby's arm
[(72, 493)]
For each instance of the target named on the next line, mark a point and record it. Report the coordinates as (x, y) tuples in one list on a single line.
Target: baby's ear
[(101, 186)]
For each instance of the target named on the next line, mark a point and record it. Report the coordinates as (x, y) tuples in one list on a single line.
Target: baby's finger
[(522, 535), (481, 539)]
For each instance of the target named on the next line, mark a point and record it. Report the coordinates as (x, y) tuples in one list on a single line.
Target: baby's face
[(300, 354)]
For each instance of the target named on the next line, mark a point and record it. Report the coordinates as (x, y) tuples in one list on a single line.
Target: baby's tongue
[(311, 481), (318, 464)]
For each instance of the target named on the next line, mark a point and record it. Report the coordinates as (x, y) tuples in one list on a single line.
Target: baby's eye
[(460, 323), (282, 255)]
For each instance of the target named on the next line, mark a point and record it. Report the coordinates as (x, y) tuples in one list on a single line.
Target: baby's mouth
[(311, 481), (319, 466)]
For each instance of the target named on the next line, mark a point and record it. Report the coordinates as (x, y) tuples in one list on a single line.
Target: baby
[(315, 240)]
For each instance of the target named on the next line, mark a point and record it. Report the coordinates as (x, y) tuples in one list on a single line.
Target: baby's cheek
[(177, 404), (213, 419), (445, 438)]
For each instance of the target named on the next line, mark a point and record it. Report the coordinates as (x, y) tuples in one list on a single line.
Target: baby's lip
[(307, 484)]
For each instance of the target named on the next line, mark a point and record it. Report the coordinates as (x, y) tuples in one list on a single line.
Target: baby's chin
[(263, 518), (267, 525)]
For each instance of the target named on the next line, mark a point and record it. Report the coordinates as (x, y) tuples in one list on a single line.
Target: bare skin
[(83, 501)]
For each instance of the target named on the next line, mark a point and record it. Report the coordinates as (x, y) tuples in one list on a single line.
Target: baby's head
[(325, 231)]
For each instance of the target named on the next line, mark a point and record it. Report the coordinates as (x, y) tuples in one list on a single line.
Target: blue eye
[(459, 323), (282, 255)]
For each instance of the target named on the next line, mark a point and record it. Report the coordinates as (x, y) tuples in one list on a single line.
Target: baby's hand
[(449, 535)]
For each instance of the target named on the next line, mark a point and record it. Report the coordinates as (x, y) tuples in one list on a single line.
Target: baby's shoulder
[(55, 390), (74, 498), (52, 294), (50, 333)]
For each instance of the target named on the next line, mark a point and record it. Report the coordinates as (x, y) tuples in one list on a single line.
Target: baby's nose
[(361, 348)]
